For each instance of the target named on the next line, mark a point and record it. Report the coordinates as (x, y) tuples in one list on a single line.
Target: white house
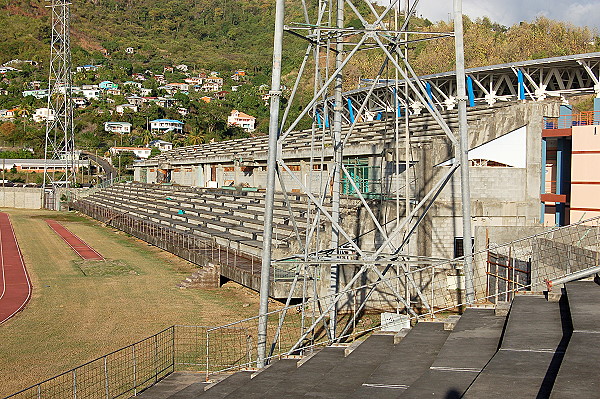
[(117, 127), (212, 84), (166, 125), (161, 145), (91, 93), (123, 107), (129, 50), (140, 152), (43, 114), (242, 120)]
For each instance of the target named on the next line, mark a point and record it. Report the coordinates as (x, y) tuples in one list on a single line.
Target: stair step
[(265, 380), (469, 347), (302, 379), (408, 360), (225, 387), (172, 384), (536, 335), (578, 374), (583, 298), (351, 372)]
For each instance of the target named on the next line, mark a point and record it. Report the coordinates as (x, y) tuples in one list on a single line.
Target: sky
[(510, 12)]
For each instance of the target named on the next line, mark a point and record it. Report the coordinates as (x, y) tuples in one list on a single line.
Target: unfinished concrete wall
[(21, 197)]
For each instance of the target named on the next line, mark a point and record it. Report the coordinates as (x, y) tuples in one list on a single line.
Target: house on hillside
[(206, 99), (120, 109), (140, 152), (80, 102), (6, 69), (135, 100), (36, 93), (138, 76), (129, 50), (107, 85), (117, 127), (195, 80), (131, 83), (43, 114), (114, 92), (167, 69), (91, 92), (238, 75), (87, 68), (212, 84), (220, 95), (173, 88), (182, 67), (245, 121), (160, 126), (161, 145), (145, 92)]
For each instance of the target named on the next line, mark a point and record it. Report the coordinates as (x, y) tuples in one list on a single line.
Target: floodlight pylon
[(59, 150)]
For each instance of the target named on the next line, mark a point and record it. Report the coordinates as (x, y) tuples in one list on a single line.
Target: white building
[(124, 107), (161, 145), (43, 114), (245, 121), (140, 152), (166, 125), (117, 127)]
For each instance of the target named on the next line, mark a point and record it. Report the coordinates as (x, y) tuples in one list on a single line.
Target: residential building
[(120, 109), (6, 69), (43, 114), (87, 68), (114, 92), (139, 76), (140, 152), (166, 125), (161, 145), (107, 85), (245, 121), (129, 50), (182, 67), (131, 83), (36, 93), (91, 93), (135, 100), (117, 127), (145, 92), (196, 80), (80, 102), (37, 165)]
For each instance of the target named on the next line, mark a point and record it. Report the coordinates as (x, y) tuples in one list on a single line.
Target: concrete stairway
[(543, 349)]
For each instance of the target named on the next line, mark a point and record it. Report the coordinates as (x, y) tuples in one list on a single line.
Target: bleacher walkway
[(542, 349)]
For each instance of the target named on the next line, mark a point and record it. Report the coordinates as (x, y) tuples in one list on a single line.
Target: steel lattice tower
[(60, 142)]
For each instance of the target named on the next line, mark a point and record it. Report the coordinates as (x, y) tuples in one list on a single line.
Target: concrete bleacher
[(541, 349), (229, 217)]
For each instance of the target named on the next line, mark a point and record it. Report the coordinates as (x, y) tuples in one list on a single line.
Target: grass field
[(80, 310)]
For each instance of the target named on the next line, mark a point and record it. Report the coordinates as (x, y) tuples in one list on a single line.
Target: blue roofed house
[(166, 125)]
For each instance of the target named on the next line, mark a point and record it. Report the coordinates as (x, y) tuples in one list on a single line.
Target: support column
[(275, 95), (463, 151), (337, 161)]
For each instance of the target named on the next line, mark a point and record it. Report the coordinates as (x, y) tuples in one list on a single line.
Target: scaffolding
[(332, 44)]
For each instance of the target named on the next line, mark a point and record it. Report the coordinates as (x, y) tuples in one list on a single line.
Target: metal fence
[(122, 373)]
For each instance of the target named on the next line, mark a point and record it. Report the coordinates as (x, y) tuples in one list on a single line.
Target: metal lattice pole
[(60, 140)]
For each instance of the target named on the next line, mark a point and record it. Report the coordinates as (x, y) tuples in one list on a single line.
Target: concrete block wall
[(21, 197)]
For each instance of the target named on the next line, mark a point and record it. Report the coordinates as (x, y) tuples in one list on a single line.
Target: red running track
[(76, 243), (14, 281)]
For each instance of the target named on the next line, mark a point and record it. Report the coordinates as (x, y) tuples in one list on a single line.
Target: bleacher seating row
[(542, 349), (227, 216)]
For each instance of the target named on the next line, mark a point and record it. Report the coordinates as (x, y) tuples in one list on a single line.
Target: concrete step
[(262, 382), (469, 347), (302, 379), (533, 345), (578, 374), (172, 384), (351, 372), (223, 388), (407, 361)]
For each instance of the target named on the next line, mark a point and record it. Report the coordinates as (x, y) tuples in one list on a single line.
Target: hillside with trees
[(125, 38)]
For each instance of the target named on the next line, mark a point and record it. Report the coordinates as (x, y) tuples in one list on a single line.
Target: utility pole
[(462, 153), (60, 141), (275, 96)]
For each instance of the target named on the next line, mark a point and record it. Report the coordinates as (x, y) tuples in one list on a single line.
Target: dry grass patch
[(81, 310)]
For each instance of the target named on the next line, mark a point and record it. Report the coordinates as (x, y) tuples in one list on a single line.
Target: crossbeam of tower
[(60, 139)]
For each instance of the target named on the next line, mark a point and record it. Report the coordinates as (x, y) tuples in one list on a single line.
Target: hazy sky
[(509, 12)]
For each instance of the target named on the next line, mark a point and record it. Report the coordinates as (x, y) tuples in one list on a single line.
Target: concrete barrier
[(21, 197)]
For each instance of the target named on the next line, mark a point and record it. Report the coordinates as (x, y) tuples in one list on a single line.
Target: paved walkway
[(15, 287), (77, 244)]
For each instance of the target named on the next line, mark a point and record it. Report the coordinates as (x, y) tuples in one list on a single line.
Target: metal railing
[(585, 118), (122, 373)]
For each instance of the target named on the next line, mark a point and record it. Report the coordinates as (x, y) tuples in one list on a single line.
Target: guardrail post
[(74, 372), (106, 379), (134, 371), (207, 356)]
